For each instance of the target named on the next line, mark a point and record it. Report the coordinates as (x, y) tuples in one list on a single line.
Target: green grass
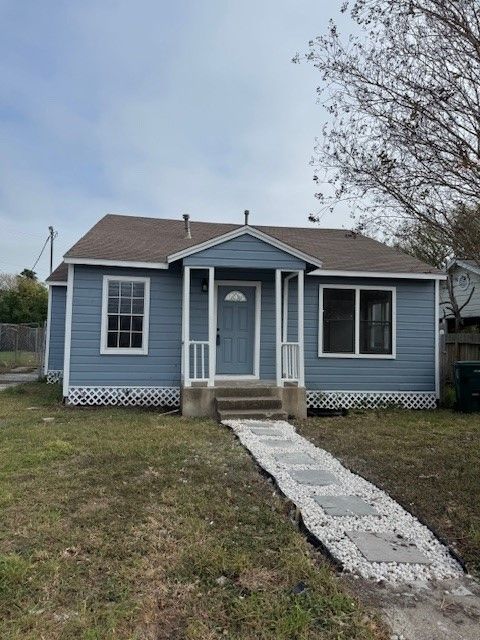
[(126, 524), (10, 359), (427, 460)]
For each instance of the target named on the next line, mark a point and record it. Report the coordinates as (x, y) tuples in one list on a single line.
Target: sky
[(154, 108)]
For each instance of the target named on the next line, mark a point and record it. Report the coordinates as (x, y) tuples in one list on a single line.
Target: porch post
[(301, 353), (186, 327), (212, 333), (278, 326)]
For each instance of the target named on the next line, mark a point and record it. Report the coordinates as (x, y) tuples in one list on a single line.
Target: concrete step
[(252, 414), (258, 402), (246, 392)]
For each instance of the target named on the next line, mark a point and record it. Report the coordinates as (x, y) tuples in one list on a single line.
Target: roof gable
[(237, 233), (245, 251)]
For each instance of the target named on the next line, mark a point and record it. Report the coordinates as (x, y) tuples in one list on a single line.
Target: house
[(464, 278), (239, 318)]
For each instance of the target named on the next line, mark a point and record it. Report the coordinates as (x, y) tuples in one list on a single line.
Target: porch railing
[(290, 361), (199, 351)]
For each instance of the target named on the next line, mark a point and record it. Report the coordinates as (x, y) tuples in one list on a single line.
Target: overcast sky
[(155, 108)]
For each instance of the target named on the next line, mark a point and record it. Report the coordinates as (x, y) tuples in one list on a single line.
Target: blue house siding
[(412, 370), (414, 367), (56, 343), (161, 367), (247, 252)]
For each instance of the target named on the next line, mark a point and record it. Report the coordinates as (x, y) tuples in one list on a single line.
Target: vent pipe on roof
[(188, 232), (247, 213)]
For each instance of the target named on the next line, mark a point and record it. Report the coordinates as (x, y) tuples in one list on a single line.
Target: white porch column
[(278, 326), (212, 330), (301, 352), (186, 327)]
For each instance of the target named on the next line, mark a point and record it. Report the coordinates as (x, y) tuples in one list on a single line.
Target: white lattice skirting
[(125, 396), (54, 375), (371, 399)]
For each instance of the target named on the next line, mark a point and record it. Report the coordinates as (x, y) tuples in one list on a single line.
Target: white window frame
[(356, 353), (125, 351)]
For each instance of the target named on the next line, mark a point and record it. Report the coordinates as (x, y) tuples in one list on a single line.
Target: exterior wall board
[(414, 367), (412, 370), (161, 367), (472, 309), (57, 328), (247, 252)]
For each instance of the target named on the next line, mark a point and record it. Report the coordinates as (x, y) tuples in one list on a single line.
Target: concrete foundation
[(294, 401), (200, 402)]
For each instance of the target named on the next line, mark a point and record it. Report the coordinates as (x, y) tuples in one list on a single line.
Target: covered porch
[(242, 325)]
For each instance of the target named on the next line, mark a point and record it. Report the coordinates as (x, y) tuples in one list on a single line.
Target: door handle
[(218, 337)]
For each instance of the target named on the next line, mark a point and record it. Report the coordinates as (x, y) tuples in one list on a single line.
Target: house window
[(376, 322), (125, 315), (357, 322), (339, 321), (235, 296)]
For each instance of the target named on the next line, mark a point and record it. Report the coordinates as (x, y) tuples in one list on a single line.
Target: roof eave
[(102, 262), (378, 274)]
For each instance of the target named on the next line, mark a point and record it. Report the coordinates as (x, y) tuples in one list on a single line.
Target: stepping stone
[(266, 431), (263, 425), (345, 506), (294, 458), (279, 444), (316, 477), (387, 547)]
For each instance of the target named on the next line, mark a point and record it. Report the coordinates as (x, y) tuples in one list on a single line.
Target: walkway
[(19, 375), (407, 572)]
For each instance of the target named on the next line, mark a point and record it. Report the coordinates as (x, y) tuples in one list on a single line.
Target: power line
[(41, 252)]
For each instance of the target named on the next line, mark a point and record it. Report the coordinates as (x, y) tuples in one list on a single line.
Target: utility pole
[(51, 237)]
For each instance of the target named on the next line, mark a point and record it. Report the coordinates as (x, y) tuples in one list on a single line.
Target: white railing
[(198, 359), (290, 361)]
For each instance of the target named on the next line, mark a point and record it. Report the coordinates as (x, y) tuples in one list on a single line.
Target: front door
[(235, 330)]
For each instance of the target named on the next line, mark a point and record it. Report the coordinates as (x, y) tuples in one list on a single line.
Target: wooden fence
[(455, 347)]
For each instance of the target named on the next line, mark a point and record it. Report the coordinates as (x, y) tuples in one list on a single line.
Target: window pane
[(137, 305), (124, 339), (137, 323), (125, 305), (112, 323), (126, 289), (112, 339), (376, 322), (338, 320), (138, 289), (137, 340), (125, 323), (113, 288), (113, 305)]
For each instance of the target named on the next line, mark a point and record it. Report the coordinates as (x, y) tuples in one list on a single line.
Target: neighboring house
[(465, 279), (167, 312)]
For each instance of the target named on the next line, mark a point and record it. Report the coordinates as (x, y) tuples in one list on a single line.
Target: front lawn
[(427, 460), (126, 524)]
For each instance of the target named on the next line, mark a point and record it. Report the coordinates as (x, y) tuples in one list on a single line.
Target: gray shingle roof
[(132, 238), (59, 274)]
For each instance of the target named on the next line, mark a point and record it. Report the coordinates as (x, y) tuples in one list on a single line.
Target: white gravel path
[(331, 530)]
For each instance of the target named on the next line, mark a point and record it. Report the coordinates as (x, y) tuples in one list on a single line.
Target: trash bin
[(467, 385)]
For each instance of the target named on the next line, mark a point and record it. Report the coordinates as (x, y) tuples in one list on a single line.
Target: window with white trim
[(357, 321), (125, 315)]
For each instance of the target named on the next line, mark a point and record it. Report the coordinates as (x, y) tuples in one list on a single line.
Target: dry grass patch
[(126, 524)]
